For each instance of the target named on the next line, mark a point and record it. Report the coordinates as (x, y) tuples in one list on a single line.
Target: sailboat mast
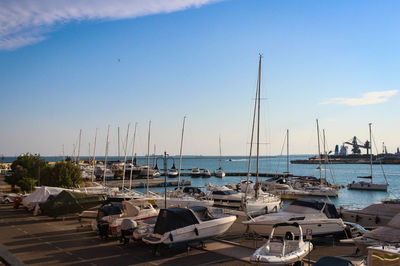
[(118, 146), (94, 154), (319, 154), (105, 158), (133, 153), (251, 142), (370, 147), (258, 123), (126, 150), (148, 159), (287, 151), (79, 146), (220, 153), (180, 153), (325, 155)]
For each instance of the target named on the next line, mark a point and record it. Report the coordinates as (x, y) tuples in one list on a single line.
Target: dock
[(187, 172), (153, 182)]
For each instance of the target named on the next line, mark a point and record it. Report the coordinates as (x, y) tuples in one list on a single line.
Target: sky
[(71, 65)]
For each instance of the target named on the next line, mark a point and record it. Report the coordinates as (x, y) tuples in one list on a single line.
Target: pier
[(153, 182), (187, 172)]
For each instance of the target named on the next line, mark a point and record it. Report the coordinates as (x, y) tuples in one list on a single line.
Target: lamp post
[(165, 179), (165, 159)]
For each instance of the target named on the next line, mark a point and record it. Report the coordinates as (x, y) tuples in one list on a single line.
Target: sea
[(340, 174)]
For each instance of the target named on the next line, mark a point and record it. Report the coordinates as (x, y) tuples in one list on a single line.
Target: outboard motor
[(103, 227), (128, 225)]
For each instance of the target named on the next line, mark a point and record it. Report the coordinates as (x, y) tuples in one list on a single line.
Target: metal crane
[(356, 146)]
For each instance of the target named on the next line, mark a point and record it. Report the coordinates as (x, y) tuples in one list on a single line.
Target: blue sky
[(333, 60)]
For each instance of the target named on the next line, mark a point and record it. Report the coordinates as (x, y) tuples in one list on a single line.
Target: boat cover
[(389, 233), (332, 261), (40, 195), (174, 218), (192, 190), (70, 202), (330, 209), (110, 209), (379, 209)]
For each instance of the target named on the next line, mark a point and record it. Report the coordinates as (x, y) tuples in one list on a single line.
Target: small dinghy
[(177, 226), (283, 251)]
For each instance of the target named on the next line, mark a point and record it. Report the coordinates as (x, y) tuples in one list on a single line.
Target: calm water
[(341, 174)]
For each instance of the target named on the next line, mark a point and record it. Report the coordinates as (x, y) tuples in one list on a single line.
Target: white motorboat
[(283, 251), (362, 185), (173, 172), (319, 216), (374, 215), (177, 226), (134, 210), (196, 172), (205, 173)]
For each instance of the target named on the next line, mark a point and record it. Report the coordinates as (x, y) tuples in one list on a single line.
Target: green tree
[(62, 174), (32, 163), (27, 184), (19, 172)]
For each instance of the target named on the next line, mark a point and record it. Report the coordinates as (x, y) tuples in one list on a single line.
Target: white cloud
[(373, 97), (25, 22)]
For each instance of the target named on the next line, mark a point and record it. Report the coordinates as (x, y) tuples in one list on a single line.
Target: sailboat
[(220, 173), (308, 188), (255, 201), (178, 198), (362, 185)]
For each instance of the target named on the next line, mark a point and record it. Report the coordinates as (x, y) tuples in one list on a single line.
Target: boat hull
[(193, 233), (261, 256), (183, 203), (319, 228), (367, 186)]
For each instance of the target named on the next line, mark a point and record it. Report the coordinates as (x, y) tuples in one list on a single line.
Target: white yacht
[(319, 216), (374, 215), (229, 198), (176, 226), (196, 172)]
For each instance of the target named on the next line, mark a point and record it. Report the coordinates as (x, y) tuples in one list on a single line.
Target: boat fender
[(171, 237), (377, 219), (196, 231), (358, 218)]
